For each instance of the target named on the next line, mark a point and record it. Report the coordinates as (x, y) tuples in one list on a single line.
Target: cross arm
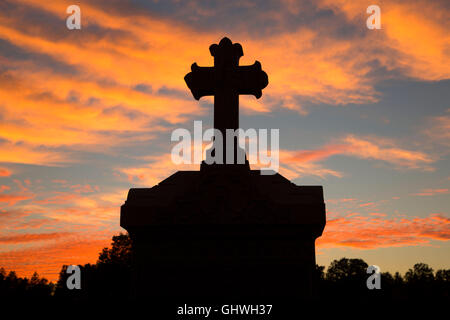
[(251, 79), (203, 81), (200, 81)]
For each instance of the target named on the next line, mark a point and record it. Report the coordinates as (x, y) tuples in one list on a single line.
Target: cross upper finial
[(226, 81), (226, 53)]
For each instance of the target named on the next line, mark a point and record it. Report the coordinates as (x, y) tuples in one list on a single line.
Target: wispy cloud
[(158, 168), (386, 150), (307, 162), (4, 172), (12, 199), (432, 192), (31, 237), (438, 129), (371, 232)]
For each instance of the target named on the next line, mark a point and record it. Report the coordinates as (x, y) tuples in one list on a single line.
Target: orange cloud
[(31, 237), (367, 204), (12, 199), (432, 192), (3, 188), (305, 162), (362, 232), (31, 154), (385, 150), (320, 154), (5, 172), (159, 168), (403, 24)]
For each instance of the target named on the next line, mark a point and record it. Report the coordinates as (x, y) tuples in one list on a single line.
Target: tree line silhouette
[(110, 279)]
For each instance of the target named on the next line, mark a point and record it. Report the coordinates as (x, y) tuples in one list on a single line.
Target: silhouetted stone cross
[(226, 81)]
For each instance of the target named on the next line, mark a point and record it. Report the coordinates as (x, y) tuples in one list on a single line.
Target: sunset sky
[(87, 114)]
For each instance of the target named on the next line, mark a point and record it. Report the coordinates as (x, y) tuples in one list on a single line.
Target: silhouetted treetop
[(119, 253), (420, 272), (345, 269)]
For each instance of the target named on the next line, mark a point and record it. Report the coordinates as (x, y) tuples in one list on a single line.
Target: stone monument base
[(224, 231)]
